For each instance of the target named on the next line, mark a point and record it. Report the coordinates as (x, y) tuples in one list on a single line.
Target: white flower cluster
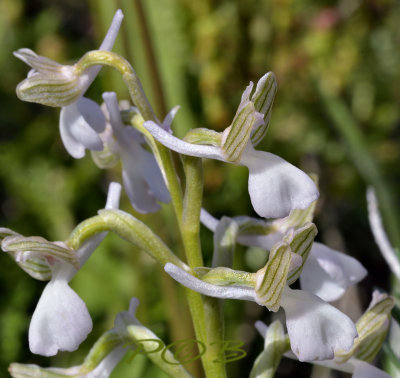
[(316, 330)]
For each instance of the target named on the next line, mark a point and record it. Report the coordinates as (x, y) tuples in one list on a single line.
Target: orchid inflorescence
[(282, 195)]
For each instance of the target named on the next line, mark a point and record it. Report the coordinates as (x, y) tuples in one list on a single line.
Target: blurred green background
[(336, 113)]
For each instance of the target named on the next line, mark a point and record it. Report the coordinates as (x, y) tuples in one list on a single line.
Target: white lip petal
[(136, 186), (275, 186), (316, 329), (92, 114), (76, 133), (181, 146), (60, 322), (68, 116), (167, 122), (224, 292), (328, 273)]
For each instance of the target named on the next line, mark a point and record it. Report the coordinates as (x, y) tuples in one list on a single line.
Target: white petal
[(135, 184), (113, 195), (381, 239), (328, 273), (107, 44), (92, 114), (60, 322), (208, 220), (316, 329), (112, 33), (224, 292), (181, 146), (107, 365), (261, 327), (275, 186), (153, 176), (68, 116), (167, 122), (76, 133), (363, 369)]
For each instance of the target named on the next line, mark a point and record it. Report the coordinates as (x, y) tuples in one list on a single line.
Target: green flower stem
[(188, 214), (208, 331), (127, 227)]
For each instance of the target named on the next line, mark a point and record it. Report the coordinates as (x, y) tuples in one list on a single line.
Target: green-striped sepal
[(271, 280), (36, 266), (300, 242), (48, 83), (276, 343), (263, 98), (237, 135), (372, 328), (25, 249)]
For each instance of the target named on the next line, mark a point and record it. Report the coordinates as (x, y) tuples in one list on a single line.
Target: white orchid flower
[(142, 177), (275, 186), (53, 84), (316, 329), (61, 320), (372, 328), (326, 273), (82, 121)]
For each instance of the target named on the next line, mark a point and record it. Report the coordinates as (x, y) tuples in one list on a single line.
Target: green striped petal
[(49, 83), (37, 246), (372, 328), (271, 280), (4, 232), (263, 99), (276, 343), (300, 242), (36, 267), (236, 136)]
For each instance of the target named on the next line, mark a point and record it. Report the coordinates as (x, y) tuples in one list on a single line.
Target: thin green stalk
[(128, 228), (209, 330)]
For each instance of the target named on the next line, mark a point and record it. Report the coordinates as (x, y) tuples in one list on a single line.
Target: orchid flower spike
[(275, 186), (53, 84), (372, 328), (61, 320), (326, 273), (316, 329)]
